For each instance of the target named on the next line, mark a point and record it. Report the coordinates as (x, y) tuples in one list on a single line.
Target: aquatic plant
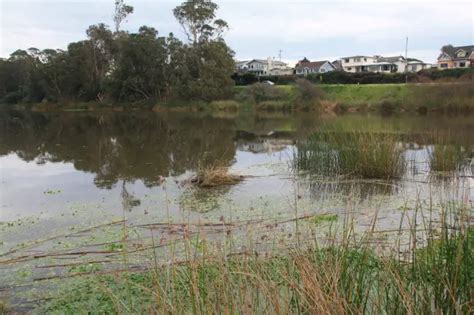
[(213, 176), (355, 154), (345, 276), (447, 157)]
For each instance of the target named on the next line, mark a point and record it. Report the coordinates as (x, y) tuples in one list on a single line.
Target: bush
[(342, 77), (280, 79), (453, 98), (307, 96), (436, 74), (13, 98), (260, 92), (307, 91), (244, 79)]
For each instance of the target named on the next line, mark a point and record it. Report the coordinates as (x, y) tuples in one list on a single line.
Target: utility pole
[(279, 53), (406, 61)]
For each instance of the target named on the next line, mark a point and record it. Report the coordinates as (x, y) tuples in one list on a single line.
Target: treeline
[(115, 65), (342, 77)]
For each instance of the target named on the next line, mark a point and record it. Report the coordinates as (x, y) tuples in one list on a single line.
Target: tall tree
[(198, 20), (208, 59), (103, 45), (122, 10), (140, 72)]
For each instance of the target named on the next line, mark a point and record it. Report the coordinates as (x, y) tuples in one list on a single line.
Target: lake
[(70, 180)]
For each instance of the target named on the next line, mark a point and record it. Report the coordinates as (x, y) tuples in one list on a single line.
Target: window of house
[(385, 68), (322, 70), (346, 60), (349, 69), (462, 64), (365, 59), (356, 59), (444, 65), (413, 68)]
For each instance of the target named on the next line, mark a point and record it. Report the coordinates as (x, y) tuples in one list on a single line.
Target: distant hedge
[(435, 74), (250, 78), (341, 77)]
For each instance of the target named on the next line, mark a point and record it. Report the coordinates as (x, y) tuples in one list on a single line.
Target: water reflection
[(127, 155)]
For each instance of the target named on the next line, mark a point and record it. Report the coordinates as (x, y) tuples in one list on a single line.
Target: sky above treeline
[(318, 30)]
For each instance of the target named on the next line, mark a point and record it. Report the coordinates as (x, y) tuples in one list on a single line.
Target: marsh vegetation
[(352, 154), (287, 213), (339, 276)]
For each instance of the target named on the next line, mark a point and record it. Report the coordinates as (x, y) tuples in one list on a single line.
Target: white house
[(305, 67), (356, 63), (262, 67), (415, 65), (382, 64)]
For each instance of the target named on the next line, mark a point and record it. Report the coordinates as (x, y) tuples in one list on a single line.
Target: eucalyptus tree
[(198, 20), (103, 47), (122, 10), (140, 69), (208, 59)]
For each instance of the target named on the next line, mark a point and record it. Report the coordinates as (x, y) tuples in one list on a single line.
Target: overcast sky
[(318, 30)]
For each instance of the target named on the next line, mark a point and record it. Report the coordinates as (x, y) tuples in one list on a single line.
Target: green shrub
[(260, 92)]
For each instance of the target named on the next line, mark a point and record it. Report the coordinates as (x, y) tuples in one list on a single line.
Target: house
[(263, 67), (241, 66), (415, 65), (381, 64), (456, 57), (337, 64), (305, 67), (356, 63)]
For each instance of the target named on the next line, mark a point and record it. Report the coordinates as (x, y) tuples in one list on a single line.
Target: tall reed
[(355, 154), (345, 276)]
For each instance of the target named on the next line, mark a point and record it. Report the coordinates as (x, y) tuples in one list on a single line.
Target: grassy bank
[(343, 277), (448, 97), (422, 98)]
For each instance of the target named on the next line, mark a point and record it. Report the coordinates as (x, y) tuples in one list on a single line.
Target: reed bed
[(345, 276), (353, 154)]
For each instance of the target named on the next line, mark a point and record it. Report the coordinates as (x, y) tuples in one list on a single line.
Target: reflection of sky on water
[(56, 164)]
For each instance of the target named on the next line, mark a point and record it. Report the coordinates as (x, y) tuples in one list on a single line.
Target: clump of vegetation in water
[(355, 154), (321, 218), (342, 278), (447, 158), (214, 176)]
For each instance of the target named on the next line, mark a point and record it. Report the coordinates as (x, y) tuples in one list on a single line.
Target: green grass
[(371, 95), (441, 97), (353, 154), (345, 277)]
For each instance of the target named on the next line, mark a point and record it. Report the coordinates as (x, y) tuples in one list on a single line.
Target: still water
[(76, 187), (59, 164)]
